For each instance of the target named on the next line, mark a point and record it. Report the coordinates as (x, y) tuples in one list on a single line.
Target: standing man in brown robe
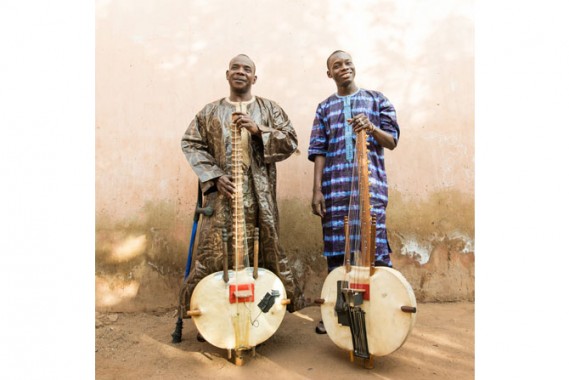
[(268, 137)]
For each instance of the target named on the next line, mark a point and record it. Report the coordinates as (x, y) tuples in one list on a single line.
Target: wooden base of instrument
[(367, 363), (238, 326), (387, 325)]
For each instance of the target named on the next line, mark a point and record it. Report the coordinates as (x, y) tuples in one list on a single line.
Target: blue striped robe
[(328, 139)]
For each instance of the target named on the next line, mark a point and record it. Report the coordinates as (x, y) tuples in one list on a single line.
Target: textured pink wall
[(158, 63)]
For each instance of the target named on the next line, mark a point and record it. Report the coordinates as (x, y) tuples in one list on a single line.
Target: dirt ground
[(138, 346)]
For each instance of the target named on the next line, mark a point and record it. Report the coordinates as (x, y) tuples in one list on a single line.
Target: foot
[(200, 338), (320, 329)]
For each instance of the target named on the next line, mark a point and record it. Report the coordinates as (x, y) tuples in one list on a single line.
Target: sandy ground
[(138, 346)]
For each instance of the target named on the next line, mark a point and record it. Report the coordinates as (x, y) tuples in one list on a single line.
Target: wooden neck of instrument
[(237, 200), (367, 241)]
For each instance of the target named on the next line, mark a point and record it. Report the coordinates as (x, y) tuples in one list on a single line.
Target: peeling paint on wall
[(412, 247), (420, 249), (433, 243)]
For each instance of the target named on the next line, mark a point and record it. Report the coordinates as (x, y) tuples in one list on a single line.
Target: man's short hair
[(249, 58), (330, 56)]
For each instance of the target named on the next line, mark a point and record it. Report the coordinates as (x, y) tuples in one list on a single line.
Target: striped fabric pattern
[(328, 138)]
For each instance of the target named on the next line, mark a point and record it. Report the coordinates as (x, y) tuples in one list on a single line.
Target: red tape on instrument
[(242, 293), (363, 287)]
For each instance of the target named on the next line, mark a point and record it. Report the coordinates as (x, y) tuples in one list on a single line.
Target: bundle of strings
[(359, 213), (240, 249)]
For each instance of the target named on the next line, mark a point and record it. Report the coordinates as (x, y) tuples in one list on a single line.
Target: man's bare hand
[(318, 205), (361, 122), (225, 185), (242, 120)]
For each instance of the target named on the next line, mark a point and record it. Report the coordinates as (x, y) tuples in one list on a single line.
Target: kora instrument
[(366, 310), (240, 308)]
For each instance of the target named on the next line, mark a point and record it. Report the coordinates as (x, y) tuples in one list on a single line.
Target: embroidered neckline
[(244, 102), (347, 96)]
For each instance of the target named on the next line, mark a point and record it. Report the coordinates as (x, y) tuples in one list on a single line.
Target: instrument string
[(357, 214), (364, 203), (354, 209), (235, 210)]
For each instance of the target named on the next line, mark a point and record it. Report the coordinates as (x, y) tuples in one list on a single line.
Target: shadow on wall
[(140, 263)]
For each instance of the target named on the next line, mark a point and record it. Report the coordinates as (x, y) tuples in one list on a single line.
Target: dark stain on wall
[(443, 224), (158, 239), (301, 238)]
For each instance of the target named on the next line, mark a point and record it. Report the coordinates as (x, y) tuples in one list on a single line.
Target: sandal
[(320, 329)]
